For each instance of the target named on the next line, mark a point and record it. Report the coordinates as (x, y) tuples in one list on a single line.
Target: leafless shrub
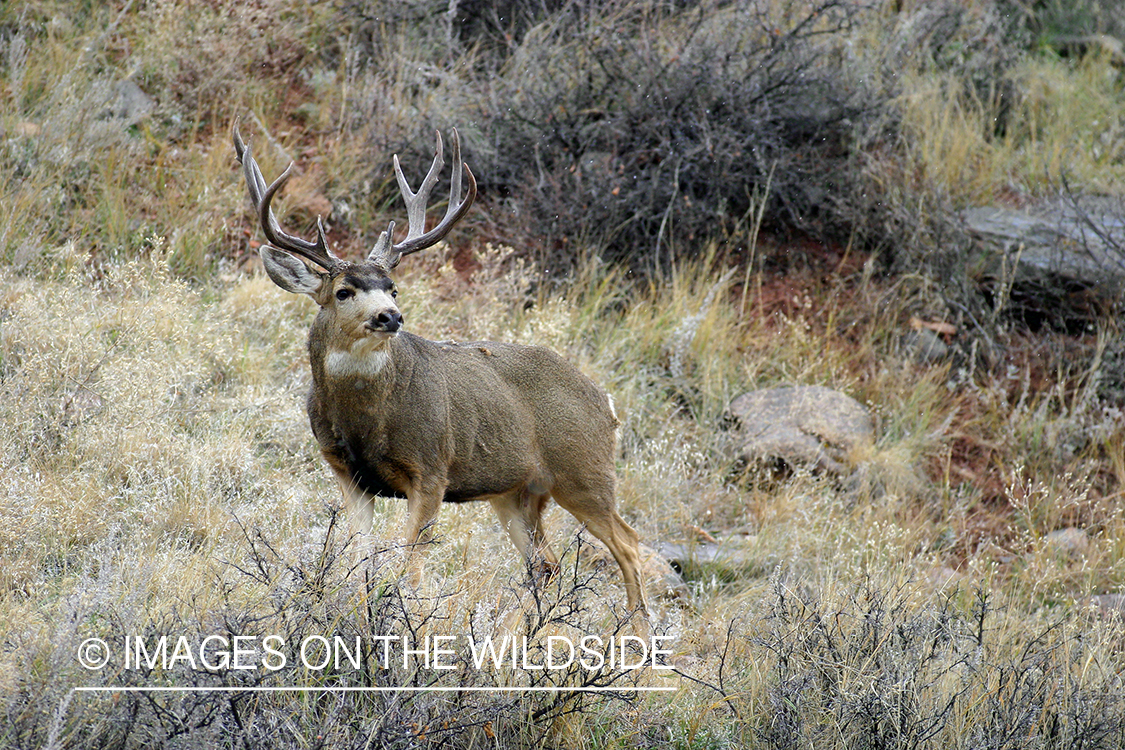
[(320, 593), (643, 128), (877, 672)]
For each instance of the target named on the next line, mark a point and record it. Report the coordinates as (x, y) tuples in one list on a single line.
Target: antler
[(318, 251), (389, 255)]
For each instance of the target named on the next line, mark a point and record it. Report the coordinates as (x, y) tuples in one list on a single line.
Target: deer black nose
[(387, 320)]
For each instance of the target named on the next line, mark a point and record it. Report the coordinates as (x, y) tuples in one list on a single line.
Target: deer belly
[(465, 494), (481, 485), (366, 475), (367, 478)]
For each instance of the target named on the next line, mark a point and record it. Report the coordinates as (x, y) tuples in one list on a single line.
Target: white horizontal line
[(374, 689)]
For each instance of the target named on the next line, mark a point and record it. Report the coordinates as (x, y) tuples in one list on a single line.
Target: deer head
[(360, 296)]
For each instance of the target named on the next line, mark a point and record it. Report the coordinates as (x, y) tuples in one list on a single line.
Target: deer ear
[(290, 273)]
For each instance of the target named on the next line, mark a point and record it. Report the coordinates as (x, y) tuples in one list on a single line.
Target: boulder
[(943, 577), (924, 347), (801, 425), (130, 103), (122, 105), (661, 579), (1109, 606)]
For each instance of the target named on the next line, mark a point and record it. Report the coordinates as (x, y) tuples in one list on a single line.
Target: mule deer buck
[(397, 415)]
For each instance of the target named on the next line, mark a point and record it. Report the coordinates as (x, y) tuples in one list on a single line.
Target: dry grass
[(157, 475), (158, 432), (1062, 122)]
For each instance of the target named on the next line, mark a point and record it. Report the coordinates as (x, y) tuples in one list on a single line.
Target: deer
[(399, 416)]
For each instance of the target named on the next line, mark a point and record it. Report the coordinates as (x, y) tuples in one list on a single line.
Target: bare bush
[(870, 669), (643, 129), (317, 593)]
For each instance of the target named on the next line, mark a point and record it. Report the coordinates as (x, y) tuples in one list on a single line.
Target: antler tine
[(318, 252), (382, 252), (416, 203), (254, 180)]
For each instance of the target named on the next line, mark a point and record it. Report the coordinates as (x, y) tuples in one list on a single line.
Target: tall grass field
[(687, 200)]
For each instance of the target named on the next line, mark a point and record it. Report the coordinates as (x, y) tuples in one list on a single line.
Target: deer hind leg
[(521, 515), (596, 509)]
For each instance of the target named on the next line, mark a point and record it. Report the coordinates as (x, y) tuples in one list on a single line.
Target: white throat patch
[(363, 359)]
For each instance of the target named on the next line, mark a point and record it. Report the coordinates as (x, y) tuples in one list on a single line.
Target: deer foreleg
[(360, 505), (422, 506), (421, 509)]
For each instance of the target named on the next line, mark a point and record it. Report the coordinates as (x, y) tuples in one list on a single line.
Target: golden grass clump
[(1059, 122)]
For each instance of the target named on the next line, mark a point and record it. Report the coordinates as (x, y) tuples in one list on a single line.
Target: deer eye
[(343, 294), (394, 294)]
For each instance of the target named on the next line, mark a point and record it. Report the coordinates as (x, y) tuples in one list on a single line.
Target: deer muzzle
[(385, 321)]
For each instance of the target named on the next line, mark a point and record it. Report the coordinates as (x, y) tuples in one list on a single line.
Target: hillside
[(689, 201)]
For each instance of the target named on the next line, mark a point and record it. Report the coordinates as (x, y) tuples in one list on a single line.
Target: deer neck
[(362, 364)]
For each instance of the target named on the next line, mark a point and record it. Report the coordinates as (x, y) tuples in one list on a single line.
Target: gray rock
[(802, 425), (1109, 605), (924, 346), (1069, 542), (944, 577), (1055, 238), (129, 103), (728, 559), (661, 579), (118, 106)]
